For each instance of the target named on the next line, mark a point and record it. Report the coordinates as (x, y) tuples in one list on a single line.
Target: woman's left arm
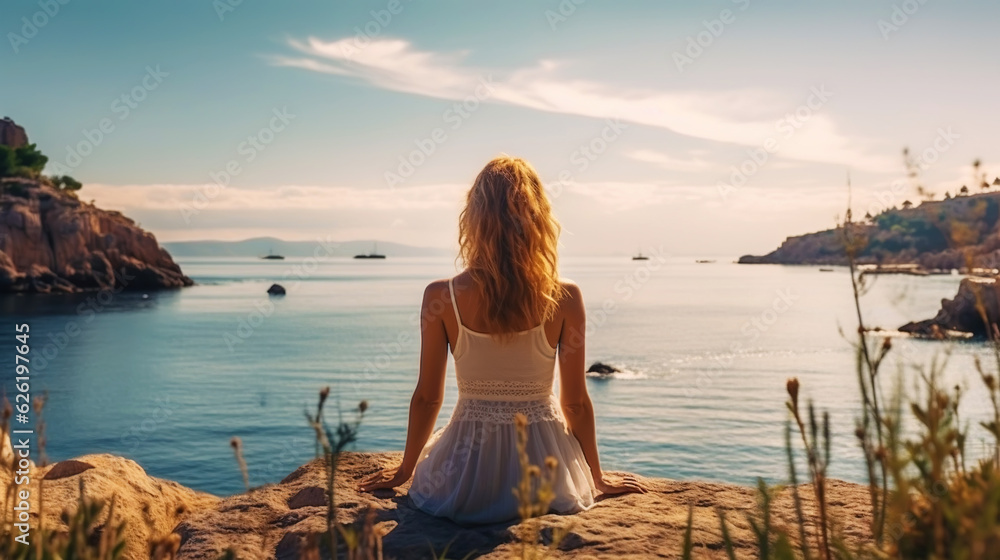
[(427, 397)]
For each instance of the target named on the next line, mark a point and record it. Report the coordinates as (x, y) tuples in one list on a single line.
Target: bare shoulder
[(437, 299), (436, 290), (570, 289), (572, 300)]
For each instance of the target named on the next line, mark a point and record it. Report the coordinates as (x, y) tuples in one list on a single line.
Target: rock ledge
[(272, 521)]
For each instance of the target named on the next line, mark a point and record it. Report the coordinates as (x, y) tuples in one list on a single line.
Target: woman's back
[(467, 470), (518, 367)]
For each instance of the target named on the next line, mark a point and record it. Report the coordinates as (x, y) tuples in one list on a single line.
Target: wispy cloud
[(412, 214), (394, 64), (619, 196), (690, 161), (289, 197), (414, 201)]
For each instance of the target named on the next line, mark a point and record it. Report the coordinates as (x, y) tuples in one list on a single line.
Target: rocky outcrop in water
[(276, 290), (962, 314), (602, 368), (52, 242)]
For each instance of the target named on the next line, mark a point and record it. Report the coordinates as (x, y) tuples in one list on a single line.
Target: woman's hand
[(628, 484), (385, 478)]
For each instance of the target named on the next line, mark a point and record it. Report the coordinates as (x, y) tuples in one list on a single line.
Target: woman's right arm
[(427, 397), (573, 396)]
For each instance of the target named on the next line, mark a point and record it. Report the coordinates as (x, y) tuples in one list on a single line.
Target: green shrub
[(8, 161), (65, 183), (30, 159)]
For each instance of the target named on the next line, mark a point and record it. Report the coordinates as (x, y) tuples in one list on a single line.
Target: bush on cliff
[(65, 183), (26, 161), (8, 161), (31, 160)]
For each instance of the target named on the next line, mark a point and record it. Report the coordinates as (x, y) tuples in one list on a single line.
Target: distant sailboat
[(270, 256), (373, 255), (640, 257)]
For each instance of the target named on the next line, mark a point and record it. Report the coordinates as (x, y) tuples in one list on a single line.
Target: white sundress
[(468, 469)]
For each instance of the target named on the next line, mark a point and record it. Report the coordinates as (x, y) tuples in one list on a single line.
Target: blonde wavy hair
[(507, 238)]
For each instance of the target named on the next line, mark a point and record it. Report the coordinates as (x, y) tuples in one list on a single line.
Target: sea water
[(167, 378)]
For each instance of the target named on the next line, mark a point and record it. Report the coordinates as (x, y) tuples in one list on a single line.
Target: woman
[(506, 318)]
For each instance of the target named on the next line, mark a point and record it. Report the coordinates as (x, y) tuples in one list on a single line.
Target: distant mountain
[(260, 246), (942, 234)]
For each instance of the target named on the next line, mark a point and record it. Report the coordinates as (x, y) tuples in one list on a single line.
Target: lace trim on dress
[(521, 390), (502, 412)]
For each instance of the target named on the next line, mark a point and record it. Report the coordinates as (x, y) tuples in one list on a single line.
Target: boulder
[(602, 368), (276, 290), (963, 313)]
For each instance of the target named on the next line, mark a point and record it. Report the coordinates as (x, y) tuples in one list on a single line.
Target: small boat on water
[(640, 257), (826, 270), (704, 261), (270, 256), (374, 254)]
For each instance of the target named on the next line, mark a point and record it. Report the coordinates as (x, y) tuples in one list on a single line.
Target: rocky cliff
[(955, 233), (52, 242), (823, 247)]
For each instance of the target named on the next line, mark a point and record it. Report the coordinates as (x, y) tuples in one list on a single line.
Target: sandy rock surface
[(274, 521), (151, 507), (271, 522)]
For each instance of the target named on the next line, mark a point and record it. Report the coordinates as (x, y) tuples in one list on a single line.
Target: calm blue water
[(168, 378)]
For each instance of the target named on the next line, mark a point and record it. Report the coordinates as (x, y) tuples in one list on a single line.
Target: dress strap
[(454, 303)]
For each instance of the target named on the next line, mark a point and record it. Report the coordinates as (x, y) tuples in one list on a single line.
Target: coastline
[(272, 521)]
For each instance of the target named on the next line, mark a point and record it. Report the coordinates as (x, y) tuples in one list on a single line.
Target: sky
[(695, 128)]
